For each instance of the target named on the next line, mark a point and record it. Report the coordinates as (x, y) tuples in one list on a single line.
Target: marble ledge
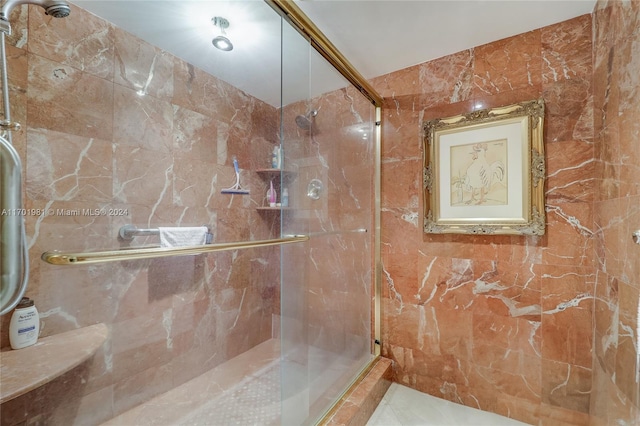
[(26, 369), (364, 396)]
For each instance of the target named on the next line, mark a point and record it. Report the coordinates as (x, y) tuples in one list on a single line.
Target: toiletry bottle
[(285, 197), (272, 195), (275, 157), (280, 157), (25, 325)]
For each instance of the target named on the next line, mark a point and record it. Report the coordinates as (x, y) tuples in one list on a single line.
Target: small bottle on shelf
[(271, 195), (24, 326)]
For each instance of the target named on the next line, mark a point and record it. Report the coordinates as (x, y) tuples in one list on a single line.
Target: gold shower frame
[(524, 213)]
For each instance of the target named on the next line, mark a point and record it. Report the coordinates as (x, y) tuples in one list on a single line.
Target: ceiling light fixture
[(221, 42)]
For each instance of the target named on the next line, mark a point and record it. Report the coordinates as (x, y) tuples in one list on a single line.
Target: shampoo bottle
[(285, 197), (275, 158), (271, 195), (25, 325)]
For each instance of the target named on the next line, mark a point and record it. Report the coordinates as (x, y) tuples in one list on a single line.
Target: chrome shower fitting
[(55, 8), (305, 121), (14, 251)]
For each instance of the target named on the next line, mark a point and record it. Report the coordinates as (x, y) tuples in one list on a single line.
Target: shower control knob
[(314, 189), (636, 236)]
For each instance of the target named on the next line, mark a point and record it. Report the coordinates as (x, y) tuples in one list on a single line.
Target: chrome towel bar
[(127, 232)]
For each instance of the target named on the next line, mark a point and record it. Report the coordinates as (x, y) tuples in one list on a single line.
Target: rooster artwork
[(481, 178)]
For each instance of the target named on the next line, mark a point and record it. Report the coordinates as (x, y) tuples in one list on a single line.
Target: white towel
[(183, 236)]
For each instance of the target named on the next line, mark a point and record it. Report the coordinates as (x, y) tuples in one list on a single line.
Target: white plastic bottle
[(275, 158), (25, 325), (285, 197)]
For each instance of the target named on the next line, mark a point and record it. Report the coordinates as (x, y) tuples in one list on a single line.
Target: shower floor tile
[(403, 406), (254, 401), (242, 391)]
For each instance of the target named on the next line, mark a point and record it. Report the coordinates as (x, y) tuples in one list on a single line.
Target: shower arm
[(5, 125)]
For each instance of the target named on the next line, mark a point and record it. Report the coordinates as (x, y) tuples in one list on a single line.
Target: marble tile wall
[(501, 323), (616, 383), (90, 141)]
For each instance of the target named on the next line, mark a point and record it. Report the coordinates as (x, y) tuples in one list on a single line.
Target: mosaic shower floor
[(254, 401), (217, 397)]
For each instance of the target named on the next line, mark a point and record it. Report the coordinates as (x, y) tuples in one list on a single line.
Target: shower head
[(55, 8), (58, 9), (305, 121)]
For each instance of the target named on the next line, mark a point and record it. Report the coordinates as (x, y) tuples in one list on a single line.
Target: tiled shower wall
[(502, 323), (91, 142), (615, 395)]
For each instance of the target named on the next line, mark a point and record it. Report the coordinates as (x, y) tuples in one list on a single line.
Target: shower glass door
[(326, 291)]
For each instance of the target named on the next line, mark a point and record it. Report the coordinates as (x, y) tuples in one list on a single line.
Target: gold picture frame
[(484, 172)]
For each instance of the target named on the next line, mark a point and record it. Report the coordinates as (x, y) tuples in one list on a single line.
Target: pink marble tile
[(570, 223), (448, 79), (142, 121), (523, 384), (141, 66), (65, 167), (405, 128), (363, 400), (627, 358), (201, 92), (198, 135), (402, 183), (573, 168), (551, 415), (566, 386), (142, 176), (82, 41), (508, 64), (62, 98), (398, 84), (567, 50), (612, 245), (568, 110)]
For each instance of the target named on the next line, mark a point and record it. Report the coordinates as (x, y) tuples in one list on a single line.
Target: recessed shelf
[(274, 209), (272, 172)]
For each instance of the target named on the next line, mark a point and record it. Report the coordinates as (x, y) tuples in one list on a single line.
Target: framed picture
[(484, 172)]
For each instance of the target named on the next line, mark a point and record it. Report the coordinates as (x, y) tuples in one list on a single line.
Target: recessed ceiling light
[(221, 42)]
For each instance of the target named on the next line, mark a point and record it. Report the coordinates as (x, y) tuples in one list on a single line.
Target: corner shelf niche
[(283, 176)]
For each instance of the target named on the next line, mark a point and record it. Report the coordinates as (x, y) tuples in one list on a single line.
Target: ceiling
[(382, 36), (377, 36)]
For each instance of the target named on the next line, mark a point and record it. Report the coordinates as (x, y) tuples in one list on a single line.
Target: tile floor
[(403, 406)]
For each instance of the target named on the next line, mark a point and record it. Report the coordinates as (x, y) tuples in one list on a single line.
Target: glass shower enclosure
[(327, 284), (133, 123)]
